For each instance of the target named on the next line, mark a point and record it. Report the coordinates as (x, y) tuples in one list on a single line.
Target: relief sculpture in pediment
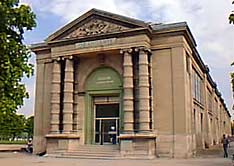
[(95, 27)]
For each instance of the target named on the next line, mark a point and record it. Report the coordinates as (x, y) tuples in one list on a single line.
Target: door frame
[(117, 120), (89, 111), (102, 81)]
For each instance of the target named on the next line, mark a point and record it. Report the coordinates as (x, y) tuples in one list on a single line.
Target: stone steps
[(90, 152)]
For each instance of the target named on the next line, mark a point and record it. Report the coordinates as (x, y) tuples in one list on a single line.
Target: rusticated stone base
[(175, 146), (62, 142), (138, 145)]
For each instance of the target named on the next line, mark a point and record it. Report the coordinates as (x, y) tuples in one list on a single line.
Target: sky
[(207, 19)]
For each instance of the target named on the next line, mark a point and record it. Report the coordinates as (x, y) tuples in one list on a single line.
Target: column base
[(62, 142), (138, 145)]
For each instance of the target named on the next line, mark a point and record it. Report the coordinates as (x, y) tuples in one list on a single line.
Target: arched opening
[(103, 89)]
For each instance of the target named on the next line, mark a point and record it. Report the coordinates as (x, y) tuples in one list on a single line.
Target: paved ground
[(23, 159), (19, 159)]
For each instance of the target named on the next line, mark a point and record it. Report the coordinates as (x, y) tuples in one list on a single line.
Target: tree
[(11, 126), (231, 16), (15, 19), (29, 125), (17, 126)]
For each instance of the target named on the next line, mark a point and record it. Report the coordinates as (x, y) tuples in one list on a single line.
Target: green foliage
[(11, 126), (13, 142), (15, 126), (231, 16), (14, 55), (15, 19), (29, 125)]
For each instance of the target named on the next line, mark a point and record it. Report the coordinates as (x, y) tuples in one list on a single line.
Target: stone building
[(111, 81)]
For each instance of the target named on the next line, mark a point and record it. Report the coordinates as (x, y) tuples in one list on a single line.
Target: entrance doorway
[(106, 123)]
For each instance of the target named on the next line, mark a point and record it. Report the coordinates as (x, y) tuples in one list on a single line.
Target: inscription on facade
[(96, 43), (104, 80)]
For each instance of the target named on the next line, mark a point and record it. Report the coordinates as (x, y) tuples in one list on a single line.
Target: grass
[(13, 142)]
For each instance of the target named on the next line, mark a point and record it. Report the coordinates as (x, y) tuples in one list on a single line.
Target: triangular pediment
[(94, 23), (95, 27)]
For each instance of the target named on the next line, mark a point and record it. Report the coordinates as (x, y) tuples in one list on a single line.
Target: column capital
[(56, 59), (70, 57), (126, 50), (142, 48)]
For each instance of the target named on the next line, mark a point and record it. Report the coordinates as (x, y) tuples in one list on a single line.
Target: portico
[(103, 85)]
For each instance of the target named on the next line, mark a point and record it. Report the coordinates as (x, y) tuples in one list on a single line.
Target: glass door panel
[(106, 131), (97, 131), (109, 132), (106, 123)]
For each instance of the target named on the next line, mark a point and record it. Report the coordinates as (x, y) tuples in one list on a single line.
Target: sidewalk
[(211, 157), (24, 159), (216, 151), (231, 150)]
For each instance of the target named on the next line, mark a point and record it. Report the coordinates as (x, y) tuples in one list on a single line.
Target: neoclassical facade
[(109, 80)]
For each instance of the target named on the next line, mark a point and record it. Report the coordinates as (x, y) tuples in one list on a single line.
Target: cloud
[(208, 21), (70, 9), (28, 107)]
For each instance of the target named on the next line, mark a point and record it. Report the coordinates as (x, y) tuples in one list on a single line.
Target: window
[(211, 124), (194, 120), (187, 64), (201, 122), (209, 100), (197, 87), (216, 107)]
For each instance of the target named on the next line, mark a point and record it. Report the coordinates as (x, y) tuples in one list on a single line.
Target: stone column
[(128, 106), (68, 95), (144, 97), (76, 104), (55, 96)]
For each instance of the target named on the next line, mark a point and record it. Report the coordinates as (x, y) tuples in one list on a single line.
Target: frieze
[(96, 43), (95, 27)]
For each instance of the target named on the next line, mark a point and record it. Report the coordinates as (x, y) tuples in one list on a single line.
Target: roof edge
[(38, 46), (99, 13)]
